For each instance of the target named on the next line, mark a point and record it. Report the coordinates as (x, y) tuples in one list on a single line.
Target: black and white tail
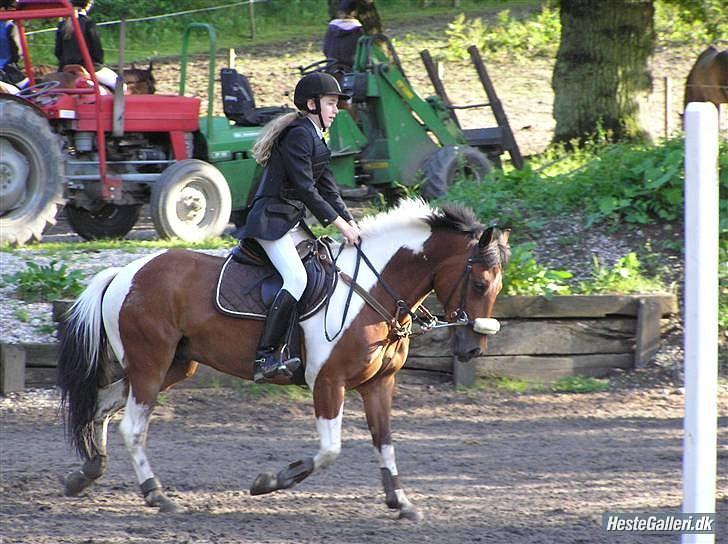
[(83, 362)]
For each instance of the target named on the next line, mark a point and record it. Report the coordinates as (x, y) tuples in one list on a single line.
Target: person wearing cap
[(296, 176), (68, 52), (342, 34)]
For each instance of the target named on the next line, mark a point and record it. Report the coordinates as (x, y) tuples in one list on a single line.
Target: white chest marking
[(379, 251)]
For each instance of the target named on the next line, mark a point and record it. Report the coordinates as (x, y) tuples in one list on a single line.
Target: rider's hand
[(350, 231)]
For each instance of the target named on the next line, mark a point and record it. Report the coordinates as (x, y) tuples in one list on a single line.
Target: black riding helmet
[(315, 86)]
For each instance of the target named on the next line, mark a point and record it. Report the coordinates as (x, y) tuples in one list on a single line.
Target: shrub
[(46, 283)]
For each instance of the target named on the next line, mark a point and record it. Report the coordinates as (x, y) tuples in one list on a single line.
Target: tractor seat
[(238, 102)]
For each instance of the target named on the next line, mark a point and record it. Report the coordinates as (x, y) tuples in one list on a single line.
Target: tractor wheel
[(452, 163), (191, 201), (110, 221), (31, 173)]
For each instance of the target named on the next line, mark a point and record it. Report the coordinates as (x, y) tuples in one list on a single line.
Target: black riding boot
[(269, 362)]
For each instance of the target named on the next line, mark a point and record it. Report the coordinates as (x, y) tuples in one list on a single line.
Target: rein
[(427, 321)]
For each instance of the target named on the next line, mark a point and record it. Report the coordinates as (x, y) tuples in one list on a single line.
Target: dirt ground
[(482, 466)]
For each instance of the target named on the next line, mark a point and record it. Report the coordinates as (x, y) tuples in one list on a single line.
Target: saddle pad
[(247, 290)]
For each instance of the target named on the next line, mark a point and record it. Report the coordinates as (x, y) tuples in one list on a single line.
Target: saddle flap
[(248, 282)]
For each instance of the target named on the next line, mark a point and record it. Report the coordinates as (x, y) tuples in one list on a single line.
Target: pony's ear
[(487, 237), (503, 238)]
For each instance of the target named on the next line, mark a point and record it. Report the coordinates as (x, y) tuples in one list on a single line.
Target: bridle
[(425, 319)]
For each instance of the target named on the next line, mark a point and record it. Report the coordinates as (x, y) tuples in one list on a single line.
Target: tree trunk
[(601, 67)]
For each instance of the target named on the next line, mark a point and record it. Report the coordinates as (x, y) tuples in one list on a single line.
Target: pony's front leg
[(329, 405), (377, 397)]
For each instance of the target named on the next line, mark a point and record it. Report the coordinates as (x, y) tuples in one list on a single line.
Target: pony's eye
[(480, 287)]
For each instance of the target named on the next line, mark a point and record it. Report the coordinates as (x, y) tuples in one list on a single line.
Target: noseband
[(426, 320)]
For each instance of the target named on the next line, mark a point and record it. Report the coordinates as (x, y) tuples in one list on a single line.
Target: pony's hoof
[(266, 482), (157, 499), (75, 483), (411, 514)]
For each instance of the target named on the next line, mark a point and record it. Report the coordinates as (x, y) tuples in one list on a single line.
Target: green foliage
[(534, 35), (46, 283), (579, 384), (690, 21), (503, 383), (625, 277), (633, 183), (524, 276), (22, 315)]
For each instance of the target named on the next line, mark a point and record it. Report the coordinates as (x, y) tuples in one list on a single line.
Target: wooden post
[(12, 368), (647, 335), (231, 58), (463, 373), (435, 71), (668, 103), (509, 141), (251, 14)]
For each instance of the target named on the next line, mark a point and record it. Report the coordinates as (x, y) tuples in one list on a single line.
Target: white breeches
[(107, 77), (282, 253)]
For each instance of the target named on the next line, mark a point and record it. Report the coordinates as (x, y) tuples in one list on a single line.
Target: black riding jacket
[(67, 50), (297, 176)]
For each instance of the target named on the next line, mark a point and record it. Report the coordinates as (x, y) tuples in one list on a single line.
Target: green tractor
[(388, 137)]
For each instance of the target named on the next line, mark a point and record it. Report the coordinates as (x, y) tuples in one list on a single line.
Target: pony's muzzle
[(486, 325)]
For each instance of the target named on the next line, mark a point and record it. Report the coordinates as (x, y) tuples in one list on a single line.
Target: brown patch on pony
[(708, 78)]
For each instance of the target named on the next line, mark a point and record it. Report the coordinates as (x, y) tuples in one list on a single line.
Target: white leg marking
[(133, 428), (330, 435), (113, 299), (386, 458)]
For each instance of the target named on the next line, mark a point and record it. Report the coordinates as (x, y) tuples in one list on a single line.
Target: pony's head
[(469, 273)]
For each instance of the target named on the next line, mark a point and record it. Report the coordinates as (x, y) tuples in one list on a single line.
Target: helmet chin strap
[(317, 110)]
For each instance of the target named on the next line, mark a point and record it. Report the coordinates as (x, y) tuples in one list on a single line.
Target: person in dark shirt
[(296, 176), (10, 72), (68, 52), (342, 35)]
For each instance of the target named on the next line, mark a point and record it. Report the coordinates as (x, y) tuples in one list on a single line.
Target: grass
[(129, 246), (289, 392), (566, 384)]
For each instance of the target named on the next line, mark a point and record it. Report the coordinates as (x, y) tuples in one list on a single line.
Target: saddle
[(248, 282)]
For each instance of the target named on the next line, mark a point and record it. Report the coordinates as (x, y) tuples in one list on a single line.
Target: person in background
[(67, 50), (296, 176), (342, 34), (10, 73)]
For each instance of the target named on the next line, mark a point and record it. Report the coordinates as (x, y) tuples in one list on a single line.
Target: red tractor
[(102, 155)]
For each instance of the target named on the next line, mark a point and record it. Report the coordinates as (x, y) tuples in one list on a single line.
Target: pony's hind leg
[(134, 426), (110, 400), (377, 397)]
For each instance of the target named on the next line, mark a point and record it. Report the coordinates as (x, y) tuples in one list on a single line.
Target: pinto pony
[(139, 329)]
